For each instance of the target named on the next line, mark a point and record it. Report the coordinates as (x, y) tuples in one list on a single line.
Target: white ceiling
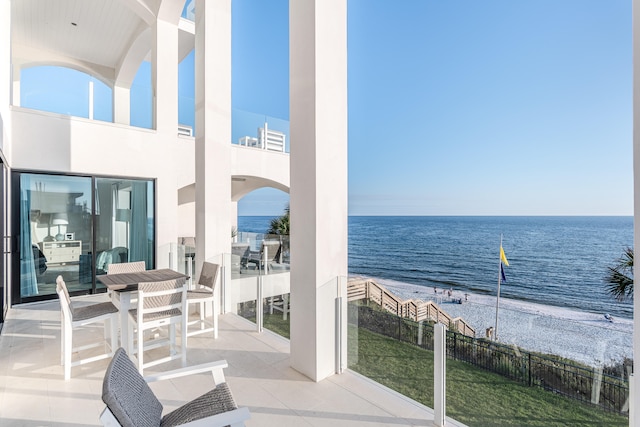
[(103, 30), (98, 32)]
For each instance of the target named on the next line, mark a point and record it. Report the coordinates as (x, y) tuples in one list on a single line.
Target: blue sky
[(466, 107), (470, 108)]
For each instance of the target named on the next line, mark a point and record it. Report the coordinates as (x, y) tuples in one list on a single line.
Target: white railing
[(185, 130), (270, 140)]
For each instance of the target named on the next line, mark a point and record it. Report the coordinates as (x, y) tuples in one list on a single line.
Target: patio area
[(34, 393)]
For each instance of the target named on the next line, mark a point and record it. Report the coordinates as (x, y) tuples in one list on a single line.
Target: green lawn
[(474, 396), (275, 323)]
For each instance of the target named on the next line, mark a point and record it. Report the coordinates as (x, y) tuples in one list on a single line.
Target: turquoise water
[(558, 261)]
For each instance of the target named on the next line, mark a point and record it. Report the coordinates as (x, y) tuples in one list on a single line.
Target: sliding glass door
[(124, 222), (55, 232), (75, 226)]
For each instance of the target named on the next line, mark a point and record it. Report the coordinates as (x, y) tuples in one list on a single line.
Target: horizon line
[(485, 215)]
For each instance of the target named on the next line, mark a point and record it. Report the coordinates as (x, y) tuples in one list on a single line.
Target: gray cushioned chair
[(130, 402), (269, 253)]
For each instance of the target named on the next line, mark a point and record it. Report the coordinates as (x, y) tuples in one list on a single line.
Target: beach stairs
[(416, 310)]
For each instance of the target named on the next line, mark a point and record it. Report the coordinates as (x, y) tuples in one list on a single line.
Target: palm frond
[(619, 280)]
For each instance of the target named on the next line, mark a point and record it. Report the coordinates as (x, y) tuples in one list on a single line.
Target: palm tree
[(280, 225), (620, 277)]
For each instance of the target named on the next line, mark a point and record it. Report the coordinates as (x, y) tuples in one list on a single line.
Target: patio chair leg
[(203, 312), (62, 338), (184, 332), (215, 308), (140, 336), (67, 355), (114, 336), (285, 307), (172, 339), (129, 344)]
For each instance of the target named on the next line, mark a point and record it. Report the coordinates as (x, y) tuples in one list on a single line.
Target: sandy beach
[(585, 337)]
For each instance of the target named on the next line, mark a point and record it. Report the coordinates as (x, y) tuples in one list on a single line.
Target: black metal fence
[(586, 384)]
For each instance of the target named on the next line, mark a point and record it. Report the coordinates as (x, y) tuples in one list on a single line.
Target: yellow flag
[(503, 257)]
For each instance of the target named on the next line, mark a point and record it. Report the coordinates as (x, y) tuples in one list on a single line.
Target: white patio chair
[(239, 256), (279, 303), (126, 267), (159, 304), (74, 316), (130, 402), (269, 253), (203, 294)]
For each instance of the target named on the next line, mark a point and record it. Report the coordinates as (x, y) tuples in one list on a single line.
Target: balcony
[(33, 391)]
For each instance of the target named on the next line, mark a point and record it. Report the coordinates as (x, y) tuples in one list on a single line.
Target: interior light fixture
[(60, 219)]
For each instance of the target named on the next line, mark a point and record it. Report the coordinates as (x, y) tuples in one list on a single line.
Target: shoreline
[(567, 332)]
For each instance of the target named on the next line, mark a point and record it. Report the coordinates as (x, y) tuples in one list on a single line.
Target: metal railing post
[(190, 271), (439, 374), (259, 308), (338, 308), (632, 394)]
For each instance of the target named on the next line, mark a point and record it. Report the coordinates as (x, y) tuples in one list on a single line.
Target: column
[(318, 127), (164, 77), (121, 104), (213, 130)]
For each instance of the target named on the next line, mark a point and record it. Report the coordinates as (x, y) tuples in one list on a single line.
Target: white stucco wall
[(57, 143), (5, 70)]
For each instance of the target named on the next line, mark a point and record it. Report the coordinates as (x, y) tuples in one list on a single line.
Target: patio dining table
[(126, 284)]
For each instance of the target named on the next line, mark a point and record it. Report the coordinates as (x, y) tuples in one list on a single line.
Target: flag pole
[(495, 329)]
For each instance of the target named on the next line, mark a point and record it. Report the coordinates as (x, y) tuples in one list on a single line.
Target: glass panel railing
[(393, 351), (275, 294), (565, 369), (260, 292), (256, 290), (74, 93), (186, 112), (180, 258), (259, 254), (259, 131)]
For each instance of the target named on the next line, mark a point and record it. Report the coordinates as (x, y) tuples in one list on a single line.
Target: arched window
[(65, 91)]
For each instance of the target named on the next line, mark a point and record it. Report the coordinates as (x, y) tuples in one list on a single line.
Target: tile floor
[(34, 393)]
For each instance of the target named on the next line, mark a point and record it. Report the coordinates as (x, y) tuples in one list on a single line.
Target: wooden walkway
[(417, 310)]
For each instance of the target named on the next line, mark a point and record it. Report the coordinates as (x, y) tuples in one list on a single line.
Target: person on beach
[(489, 332)]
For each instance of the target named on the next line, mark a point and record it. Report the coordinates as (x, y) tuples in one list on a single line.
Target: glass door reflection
[(56, 233)]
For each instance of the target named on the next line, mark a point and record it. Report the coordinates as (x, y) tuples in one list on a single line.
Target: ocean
[(558, 261)]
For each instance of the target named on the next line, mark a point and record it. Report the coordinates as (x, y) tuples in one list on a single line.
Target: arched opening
[(262, 215), (142, 98), (63, 90)]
